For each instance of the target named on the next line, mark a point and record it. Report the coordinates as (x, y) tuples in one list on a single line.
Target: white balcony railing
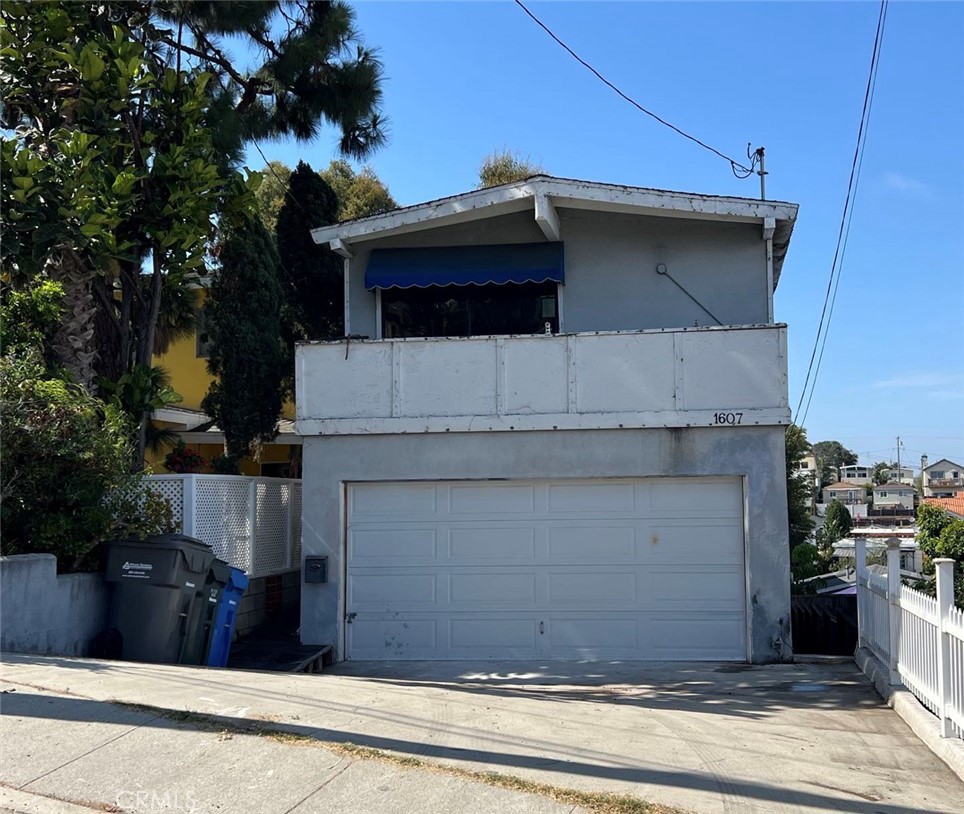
[(653, 378)]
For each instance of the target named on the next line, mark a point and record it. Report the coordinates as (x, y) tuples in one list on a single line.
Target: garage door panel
[(605, 589), (492, 633), (716, 544), (650, 568), (391, 591), (598, 498), (491, 499), (389, 639), (695, 637), (718, 497), (492, 543), (713, 590), (592, 543), (581, 636), (394, 500), (493, 589), (381, 546)]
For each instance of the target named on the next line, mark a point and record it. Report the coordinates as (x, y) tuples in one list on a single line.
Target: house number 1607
[(727, 418)]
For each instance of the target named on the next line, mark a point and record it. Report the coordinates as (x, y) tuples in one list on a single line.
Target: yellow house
[(186, 362)]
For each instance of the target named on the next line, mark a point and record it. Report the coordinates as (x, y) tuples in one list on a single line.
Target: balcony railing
[(943, 482), (655, 378)]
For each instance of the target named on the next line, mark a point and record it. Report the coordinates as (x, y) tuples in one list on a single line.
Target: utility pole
[(760, 151), (899, 473)]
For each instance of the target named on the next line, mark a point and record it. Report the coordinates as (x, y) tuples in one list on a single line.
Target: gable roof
[(844, 485), (542, 193), (942, 461), (951, 505), (894, 485)]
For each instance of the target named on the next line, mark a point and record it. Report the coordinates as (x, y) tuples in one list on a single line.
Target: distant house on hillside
[(853, 473), (942, 478), (894, 496), (846, 492)]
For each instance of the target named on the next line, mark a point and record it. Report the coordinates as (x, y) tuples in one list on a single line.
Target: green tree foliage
[(940, 535), (247, 358), (799, 491), (307, 66), (269, 193), (65, 481), (505, 166), (881, 472), (806, 563), (836, 525), (361, 194), (127, 120), (311, 274), (111, 165), (831, 455)]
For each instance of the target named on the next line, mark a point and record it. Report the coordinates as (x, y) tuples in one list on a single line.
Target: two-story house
[(854, 473), (903, 475), (894, 495), (846, 492), (943, 478), (555, 430)]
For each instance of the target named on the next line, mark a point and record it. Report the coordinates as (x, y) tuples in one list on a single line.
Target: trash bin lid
[(220, 571), (239, 579)]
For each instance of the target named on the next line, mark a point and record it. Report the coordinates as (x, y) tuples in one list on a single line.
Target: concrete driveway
[(710, 738)]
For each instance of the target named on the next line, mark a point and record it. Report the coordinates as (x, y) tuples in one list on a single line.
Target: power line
[(823, 327), (735, 165)]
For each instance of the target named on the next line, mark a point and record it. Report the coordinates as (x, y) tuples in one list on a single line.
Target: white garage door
[(596, 569)]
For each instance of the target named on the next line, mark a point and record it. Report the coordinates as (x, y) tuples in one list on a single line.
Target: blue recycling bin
[(225, 618)]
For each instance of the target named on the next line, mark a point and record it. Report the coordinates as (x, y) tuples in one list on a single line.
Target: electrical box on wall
[(316, 570)]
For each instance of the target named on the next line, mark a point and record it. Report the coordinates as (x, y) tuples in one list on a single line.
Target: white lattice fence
[(918, 638), (252, 523)]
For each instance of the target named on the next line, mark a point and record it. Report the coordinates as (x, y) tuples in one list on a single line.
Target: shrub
[(64, 453), (183, 460)]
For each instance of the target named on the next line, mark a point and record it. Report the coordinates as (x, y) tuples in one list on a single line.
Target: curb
[(23, 802), (923, 724)]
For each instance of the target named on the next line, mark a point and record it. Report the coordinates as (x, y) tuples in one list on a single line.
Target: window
[(470, 310), (883, 494), (937, 475), (202, 342)]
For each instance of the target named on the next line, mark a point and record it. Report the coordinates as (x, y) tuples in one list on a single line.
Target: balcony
[(693, 377)]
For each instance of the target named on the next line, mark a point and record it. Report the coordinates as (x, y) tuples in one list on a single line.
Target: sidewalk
[(101, 756), (704, 737)]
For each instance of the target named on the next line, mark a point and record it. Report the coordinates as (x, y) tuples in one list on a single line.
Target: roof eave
[(568, 193)]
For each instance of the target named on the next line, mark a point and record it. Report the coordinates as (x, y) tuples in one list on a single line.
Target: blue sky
[(466, 78)]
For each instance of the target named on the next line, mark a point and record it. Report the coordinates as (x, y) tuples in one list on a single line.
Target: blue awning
[(464, 265)]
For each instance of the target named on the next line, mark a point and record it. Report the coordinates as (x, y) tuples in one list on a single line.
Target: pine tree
[(311, 274), (247, 357)]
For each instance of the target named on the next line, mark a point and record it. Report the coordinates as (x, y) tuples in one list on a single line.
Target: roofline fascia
[(561, 192)]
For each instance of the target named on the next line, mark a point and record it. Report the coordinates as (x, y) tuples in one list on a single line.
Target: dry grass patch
[(594, 801)]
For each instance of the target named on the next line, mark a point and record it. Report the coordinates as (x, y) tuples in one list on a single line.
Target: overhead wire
[(833, 283), (735, 165)]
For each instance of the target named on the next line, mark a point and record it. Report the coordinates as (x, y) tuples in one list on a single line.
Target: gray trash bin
[(200, 629), (158, 595)]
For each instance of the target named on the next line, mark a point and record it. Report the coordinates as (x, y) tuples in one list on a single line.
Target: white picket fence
[(252, 523), (918, 638)]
